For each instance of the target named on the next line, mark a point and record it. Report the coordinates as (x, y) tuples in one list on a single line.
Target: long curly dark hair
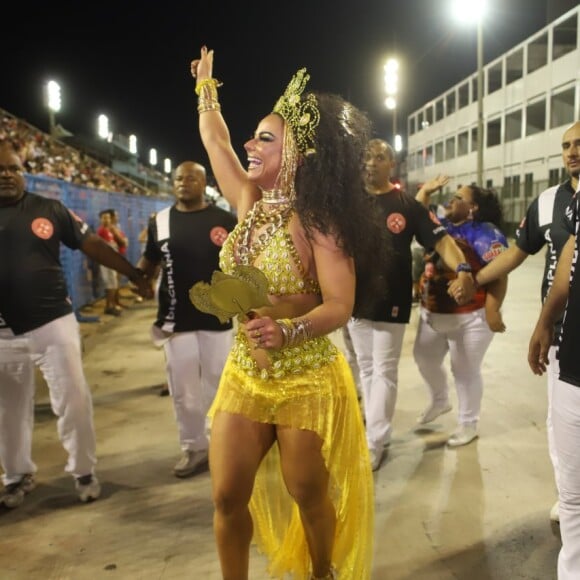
[(330, 194), (489, 207)]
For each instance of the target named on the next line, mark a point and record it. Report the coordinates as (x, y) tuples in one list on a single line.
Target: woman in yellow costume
[(288, 458)]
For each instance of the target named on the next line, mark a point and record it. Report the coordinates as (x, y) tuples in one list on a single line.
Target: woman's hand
[(462, 289), (264, 333), (202, 67), (495, 321)]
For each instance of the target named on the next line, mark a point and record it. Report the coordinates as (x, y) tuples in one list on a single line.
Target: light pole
[(53, 103), (133, 144), (391, 69), (480, 100), (470, 11), (103, 126), (153, 157)]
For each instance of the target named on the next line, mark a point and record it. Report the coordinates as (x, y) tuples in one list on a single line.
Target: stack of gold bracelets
[(295, 331), (206, 90)]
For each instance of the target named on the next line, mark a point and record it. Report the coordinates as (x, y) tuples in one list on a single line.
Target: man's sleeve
[(529, 236), (73, 229), (428, 229)]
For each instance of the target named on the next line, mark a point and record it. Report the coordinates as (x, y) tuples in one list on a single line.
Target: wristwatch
[(463, 267)]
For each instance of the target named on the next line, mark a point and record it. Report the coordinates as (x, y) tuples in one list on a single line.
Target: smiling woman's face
[(458, 209), (265, 151)]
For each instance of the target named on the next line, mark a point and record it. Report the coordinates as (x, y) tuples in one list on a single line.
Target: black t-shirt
[(33, 289), (570, 335), (543, 225), (404, 218), (187, 245)]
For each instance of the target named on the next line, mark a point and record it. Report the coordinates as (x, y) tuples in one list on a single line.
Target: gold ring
[(258, 334)]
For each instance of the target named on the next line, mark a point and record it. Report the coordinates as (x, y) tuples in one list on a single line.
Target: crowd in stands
[(44, 155)]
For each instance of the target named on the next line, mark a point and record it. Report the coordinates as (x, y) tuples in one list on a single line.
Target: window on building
[(462, 144), (412, 125), (450, 102), (506, 191), (429, 115), (514, 66), (565, 37), (528, 186), (463, 96), (439, 109), (516, 186), (428, 156), (489, 183), (536, 118), (553, 177), (474, 90), (474, 139), (494, 132), (513, 126), (450, 148), (562, 108), (494, 77), (420, 121), (439, 152), (538, 53)]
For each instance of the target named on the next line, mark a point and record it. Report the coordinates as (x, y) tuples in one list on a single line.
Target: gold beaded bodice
[(262, 240)]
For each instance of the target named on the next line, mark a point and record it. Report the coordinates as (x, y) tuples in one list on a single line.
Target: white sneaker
[(555, 513), (14, 493), (88, 488), (463, 435), (433, 411), (189, 463), (376, 458)]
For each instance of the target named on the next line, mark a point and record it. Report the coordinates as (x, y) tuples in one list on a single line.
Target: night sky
[(130, 60)]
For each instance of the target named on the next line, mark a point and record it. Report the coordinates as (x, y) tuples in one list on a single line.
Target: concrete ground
[(479, 512)]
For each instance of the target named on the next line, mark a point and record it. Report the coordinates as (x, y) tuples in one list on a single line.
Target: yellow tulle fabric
[(320, 398)]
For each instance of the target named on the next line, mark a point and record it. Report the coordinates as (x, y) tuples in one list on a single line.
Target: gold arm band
[(208, 96), (205, 82), (295, 331)]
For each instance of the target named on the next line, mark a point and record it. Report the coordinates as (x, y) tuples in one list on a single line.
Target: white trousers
[(466, 337), (194, 363), (378, 348), (552, 374), (566, 423), (56, 349)]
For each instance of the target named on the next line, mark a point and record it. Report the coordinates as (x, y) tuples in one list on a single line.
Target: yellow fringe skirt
[(321, 399)]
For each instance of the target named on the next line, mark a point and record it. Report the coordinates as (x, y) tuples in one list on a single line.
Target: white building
[(531, 94)]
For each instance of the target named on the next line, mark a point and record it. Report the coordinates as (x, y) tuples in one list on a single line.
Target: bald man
[(184, 241)]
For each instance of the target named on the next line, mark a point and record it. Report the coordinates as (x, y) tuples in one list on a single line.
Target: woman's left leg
[(306, 478), (467, 347)]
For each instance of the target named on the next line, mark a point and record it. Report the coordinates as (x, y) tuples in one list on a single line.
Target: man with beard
[(378, 339)]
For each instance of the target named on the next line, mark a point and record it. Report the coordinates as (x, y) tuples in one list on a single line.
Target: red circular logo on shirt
[(218, 235), (396, 223), (42, 228)]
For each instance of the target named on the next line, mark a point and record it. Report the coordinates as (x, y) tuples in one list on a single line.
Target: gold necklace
[(274, 196), (246, 250)]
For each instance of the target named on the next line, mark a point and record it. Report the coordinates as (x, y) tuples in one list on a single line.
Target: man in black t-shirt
[(38, 326), (564, 298), (184, 242), (378, 340), (542, 227)]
